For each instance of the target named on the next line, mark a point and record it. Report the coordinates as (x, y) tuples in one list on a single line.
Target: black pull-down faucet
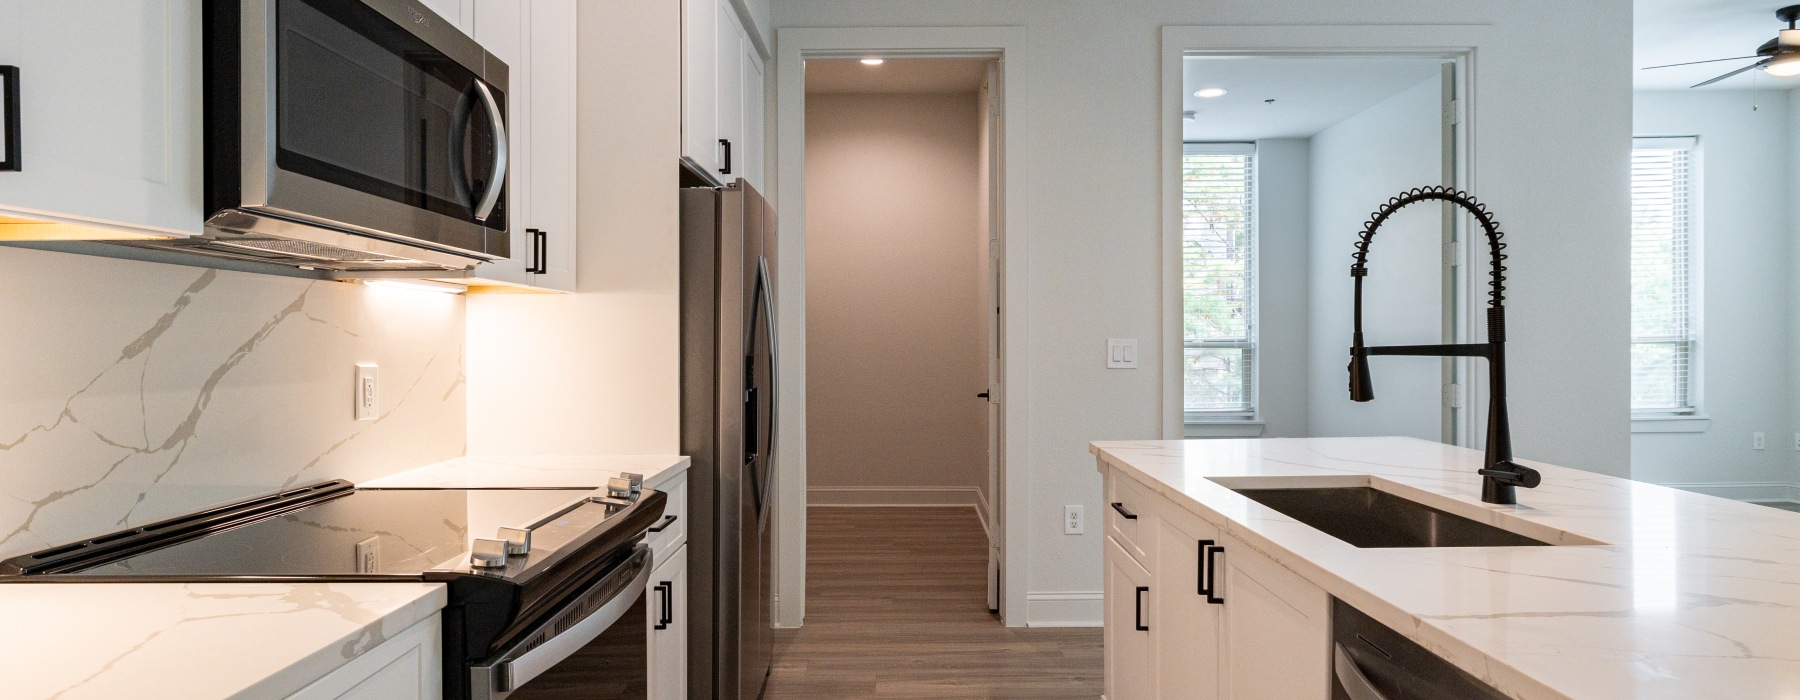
[(1499, 473)]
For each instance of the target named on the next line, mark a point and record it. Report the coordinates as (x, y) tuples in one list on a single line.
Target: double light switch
[(1121, 353)]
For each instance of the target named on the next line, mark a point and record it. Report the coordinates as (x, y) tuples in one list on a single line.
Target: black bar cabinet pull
[(1126, 514), (667, 588), (727, 144), (664, 525), (1211, 586), (534, 268), (1138, 616), (540, 250), (1202, 581), (9, 93), (981, 395)]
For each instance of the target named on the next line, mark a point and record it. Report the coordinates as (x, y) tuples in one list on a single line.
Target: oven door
[(374, 116), (594, 648)]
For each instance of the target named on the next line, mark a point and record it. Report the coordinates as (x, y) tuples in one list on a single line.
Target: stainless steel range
[(553, 606)]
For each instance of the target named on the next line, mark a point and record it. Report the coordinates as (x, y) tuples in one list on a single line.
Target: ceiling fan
[(1779, 56)]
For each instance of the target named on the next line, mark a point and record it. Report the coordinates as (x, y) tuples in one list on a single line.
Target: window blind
[(1664, 338), (1218, 251)]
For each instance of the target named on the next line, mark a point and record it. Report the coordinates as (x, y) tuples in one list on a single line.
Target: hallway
[(896, 609)]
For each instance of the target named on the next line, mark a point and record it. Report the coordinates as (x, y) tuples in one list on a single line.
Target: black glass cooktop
[(363, 531)]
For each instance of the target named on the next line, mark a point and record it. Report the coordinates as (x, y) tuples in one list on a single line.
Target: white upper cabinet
[(460, 12), (700, 82), (109, 113), (536, 40), (722, 93)]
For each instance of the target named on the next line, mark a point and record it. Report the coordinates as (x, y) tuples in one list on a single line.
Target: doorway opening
[(902, 299), (1281, 160)]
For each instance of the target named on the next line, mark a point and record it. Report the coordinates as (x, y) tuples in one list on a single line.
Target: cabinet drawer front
[(1129, 517), (672, 529)]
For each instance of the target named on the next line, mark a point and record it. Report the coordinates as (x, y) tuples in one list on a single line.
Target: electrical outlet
[(1073, 521), (1756, 441), (367, 395), (368, 556)]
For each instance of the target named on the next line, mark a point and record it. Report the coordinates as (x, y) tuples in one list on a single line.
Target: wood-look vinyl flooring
[(897, 608)]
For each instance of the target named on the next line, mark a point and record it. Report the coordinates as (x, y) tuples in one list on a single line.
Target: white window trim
[(1693, 419), (1235, 423)]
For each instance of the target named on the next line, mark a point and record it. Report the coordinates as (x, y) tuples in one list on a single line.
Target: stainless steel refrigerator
[(728, 428)]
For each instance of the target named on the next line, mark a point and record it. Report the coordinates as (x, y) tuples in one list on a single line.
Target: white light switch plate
[(1121, 353), (367, 394)]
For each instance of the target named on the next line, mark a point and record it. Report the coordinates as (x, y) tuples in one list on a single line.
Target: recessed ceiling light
[(872, 61), (1210, 92)]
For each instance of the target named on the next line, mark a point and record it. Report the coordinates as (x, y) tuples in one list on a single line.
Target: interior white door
[(989, 264), (109, 111)]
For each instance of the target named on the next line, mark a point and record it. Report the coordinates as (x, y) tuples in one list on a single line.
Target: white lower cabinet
[(1223, 620), (1130, 663), (407, 667), (668, 623)]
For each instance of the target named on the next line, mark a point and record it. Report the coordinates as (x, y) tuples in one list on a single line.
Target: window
[(1665, 337), (1218, 281)]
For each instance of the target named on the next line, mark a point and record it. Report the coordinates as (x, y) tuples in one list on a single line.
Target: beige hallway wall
[(895, 341)]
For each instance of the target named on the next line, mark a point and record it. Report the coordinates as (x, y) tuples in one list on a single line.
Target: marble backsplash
[(134, 391)]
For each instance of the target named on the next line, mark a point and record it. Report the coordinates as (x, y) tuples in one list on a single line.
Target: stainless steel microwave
[(351, 135)]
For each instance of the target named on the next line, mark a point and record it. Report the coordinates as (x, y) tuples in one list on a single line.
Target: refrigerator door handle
[(766, 289)]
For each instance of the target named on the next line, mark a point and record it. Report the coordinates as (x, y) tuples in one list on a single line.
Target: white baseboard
[(889, 496), (1745, 490), (1064, 608)]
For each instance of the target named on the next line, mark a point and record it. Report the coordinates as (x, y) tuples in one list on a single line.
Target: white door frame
[(1459, 42), (793, 47)]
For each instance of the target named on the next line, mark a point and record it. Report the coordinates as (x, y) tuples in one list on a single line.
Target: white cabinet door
[(407, 667), (1185, 628), (460, 12), (1130, 661), (752, 148), (700, 41), (503, 28), (732, 41), (550, 136), (1277, 629), (667, 619), (110, 112)]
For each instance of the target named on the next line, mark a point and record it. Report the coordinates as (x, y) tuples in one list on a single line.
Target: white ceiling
[(1310, 94), (1675, 31), (906, 75)]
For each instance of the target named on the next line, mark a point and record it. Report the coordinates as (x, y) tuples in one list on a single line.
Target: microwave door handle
[(496, 178)]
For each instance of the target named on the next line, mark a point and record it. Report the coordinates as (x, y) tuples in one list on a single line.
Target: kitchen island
[(1648, 592)]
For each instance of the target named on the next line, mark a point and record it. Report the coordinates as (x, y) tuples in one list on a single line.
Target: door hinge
[(1453, 254), (1453, 396), (1453, 112)]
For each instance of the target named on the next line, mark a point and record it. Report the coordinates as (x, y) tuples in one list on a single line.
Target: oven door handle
[(496, 178), (530, 657)]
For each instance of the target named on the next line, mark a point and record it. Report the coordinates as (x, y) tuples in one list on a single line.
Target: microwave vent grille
[(307, 249)]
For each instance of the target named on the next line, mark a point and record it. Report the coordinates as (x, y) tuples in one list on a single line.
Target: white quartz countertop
[(1692, 596), (533, 472), (194, 641)]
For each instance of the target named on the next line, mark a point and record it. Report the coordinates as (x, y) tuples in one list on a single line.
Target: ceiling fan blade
[(1690, 63), (1752, 66)]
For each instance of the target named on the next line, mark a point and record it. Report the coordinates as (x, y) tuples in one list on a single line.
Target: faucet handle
[(1515, 474), (1362, 388)]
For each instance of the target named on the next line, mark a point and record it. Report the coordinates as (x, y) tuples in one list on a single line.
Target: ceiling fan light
[(1784, 67)]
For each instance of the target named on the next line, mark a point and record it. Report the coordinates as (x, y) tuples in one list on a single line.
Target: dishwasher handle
[(1350, 677)]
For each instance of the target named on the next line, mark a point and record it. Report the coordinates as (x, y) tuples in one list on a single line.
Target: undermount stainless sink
[(1365, 516)]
